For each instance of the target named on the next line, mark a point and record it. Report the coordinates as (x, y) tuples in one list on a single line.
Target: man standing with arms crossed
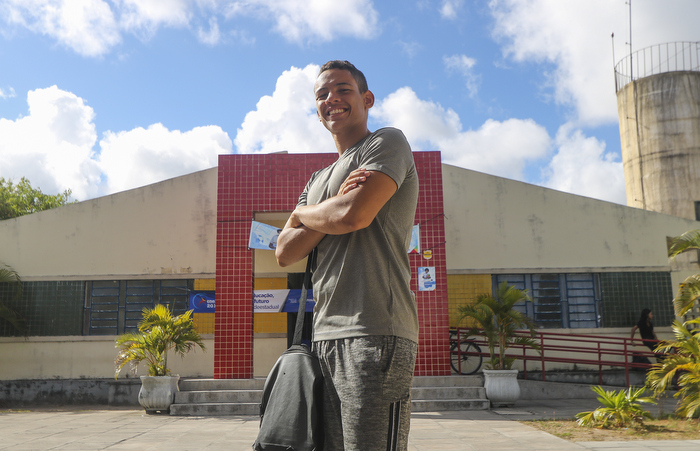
[(359, 212)]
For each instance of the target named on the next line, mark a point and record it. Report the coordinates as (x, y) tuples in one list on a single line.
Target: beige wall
[(167, 229), (93, 358), (497, 225)]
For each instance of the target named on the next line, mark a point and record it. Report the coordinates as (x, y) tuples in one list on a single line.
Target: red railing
[(587, 350)]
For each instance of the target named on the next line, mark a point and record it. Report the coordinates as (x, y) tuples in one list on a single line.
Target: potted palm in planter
[(158, 332), (496, 319)]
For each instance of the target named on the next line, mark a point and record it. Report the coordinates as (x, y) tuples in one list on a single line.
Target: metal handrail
[(657, 59), (580, 349)]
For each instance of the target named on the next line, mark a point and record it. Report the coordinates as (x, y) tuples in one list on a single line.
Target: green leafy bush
[(619, 408), (499, 322), (681, 363), (159, 332)]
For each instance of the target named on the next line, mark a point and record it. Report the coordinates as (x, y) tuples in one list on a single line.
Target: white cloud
[(7, 93), (498, 148), (95, 27), (410, 49), (52, 146), (581, 166), (212, 36), (141, 156), (575, 36), (301, 21), (463, 65), (144, 17), (449, 8), (86, 26), (286, 120), (313, 19)]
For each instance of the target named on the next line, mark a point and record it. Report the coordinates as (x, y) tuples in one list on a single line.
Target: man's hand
[(353, 181)]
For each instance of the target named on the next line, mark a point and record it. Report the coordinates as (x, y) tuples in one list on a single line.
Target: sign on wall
[(426, 278), (414, 247), (263, 236), (275, 301), (202, 301)]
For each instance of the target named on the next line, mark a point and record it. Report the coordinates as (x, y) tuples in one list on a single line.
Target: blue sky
[(101, 96)]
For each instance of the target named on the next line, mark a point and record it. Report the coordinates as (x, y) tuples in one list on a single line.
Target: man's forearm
[(294, 243), (330, 217)]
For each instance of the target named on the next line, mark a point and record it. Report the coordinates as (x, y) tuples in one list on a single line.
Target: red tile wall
[(272, 183)]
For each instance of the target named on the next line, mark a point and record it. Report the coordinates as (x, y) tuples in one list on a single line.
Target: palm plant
[(689, 289), (682, 363), (9, 275), (159, 332), (619, 408), (498, 321)]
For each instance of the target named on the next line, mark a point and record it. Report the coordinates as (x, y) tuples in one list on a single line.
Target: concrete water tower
[(658, 103)]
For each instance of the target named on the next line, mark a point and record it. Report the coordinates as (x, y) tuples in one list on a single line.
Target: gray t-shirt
[(361, 283)]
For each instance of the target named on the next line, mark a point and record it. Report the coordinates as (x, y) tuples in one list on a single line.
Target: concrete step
[(213, 409), (445, 405), (221, 384), (449, 381), (442, 393), (219, 397)]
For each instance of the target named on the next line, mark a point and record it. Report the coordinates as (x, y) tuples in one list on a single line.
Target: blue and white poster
[(276, 301), (269, 301), (291, 305), (426, 278), (202, 301), (414, 247), (263, 236)]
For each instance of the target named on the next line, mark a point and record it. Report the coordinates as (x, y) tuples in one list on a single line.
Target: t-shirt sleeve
[(303, 197), (388, 152)]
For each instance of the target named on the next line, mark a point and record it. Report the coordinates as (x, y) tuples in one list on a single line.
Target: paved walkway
[(86, 429)]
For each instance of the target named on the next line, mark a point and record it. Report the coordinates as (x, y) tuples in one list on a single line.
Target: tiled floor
[(499, 429)]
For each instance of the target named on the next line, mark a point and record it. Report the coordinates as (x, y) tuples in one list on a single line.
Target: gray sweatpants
[(367, 396)]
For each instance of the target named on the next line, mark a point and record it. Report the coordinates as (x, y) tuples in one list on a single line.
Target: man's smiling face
[(340, 106)]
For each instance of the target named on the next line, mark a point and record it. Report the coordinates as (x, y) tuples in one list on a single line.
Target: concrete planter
[(158, 393), (502, 387)]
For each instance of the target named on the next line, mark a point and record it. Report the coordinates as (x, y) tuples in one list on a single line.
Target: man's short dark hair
[(348, 66)]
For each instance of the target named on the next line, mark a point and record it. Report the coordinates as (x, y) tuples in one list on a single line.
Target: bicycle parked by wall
[(465, 354)]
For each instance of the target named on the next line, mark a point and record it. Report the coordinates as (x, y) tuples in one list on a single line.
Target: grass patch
[(658, 429)]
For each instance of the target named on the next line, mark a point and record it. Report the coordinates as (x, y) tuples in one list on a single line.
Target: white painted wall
[(497, 225), (167, 229), (93, 358)]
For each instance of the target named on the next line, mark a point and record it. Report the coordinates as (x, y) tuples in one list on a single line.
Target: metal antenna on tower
[(612, 37), (629, 2)]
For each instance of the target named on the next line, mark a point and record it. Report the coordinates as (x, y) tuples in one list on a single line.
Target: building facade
[(89, 268)]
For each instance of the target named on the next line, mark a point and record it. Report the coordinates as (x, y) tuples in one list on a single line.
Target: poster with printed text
[(414, 246), (263, 236), (426, 278)]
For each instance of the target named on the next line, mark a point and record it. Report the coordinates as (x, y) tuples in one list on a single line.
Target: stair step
[(221, 384), (448, 381), (441, 393), (443, 405), (220, 397), (215, 409)]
